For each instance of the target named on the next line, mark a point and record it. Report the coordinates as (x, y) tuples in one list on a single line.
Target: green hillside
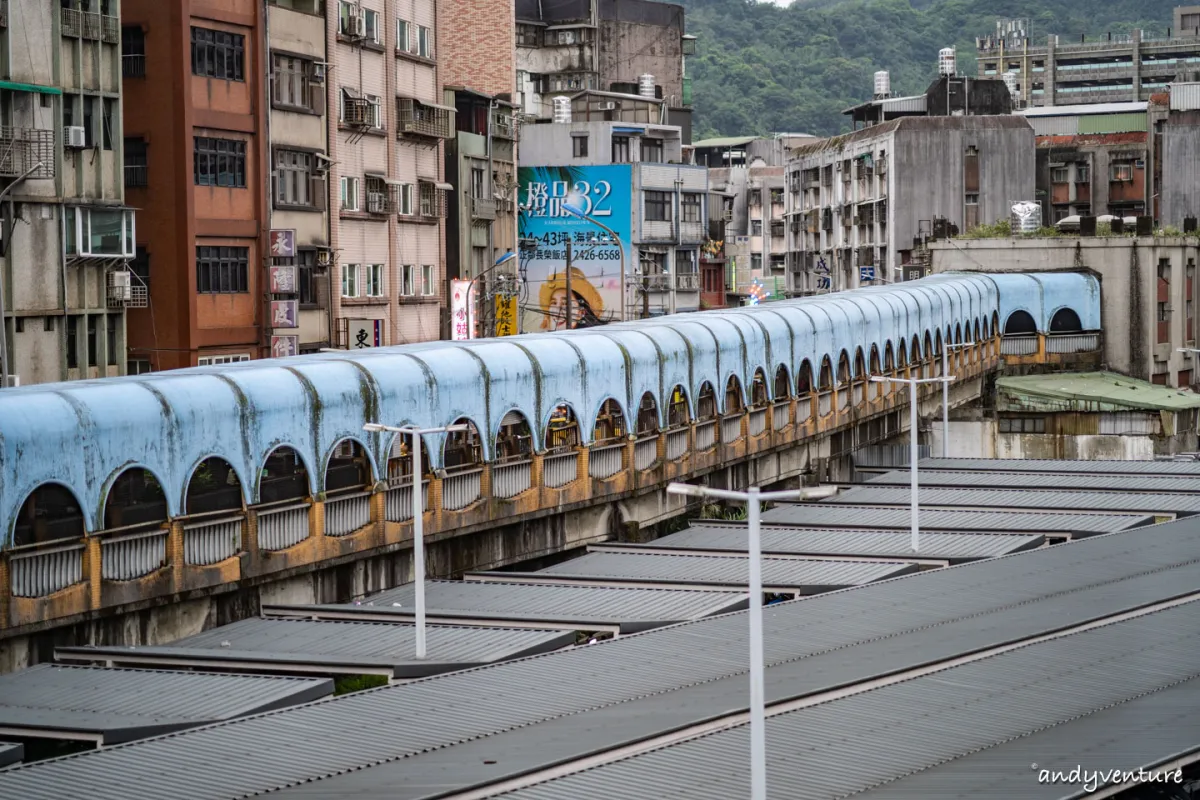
[(762, 68)]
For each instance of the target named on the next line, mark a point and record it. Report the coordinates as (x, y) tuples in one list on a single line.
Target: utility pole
[(569, 325)]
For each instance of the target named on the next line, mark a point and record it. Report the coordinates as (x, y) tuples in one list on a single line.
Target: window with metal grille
[(219, 162), (294, 178), (222, 270), (652, 150), (137, 162), (218, 54), (140, 266)]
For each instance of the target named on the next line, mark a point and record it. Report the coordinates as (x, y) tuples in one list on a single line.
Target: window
[(306, 280), (99, 231), (1083, 173), (402, 35), (138, 366), (620, 150), (972, 199), (404, 199), (350, 194), (476, 182), (1121, 172), (110, 338), (756, 227), (658, 206), (345, 14), (69, 102), (1060, 175), (106, 134), (1164, 269), (133, 51), (371, 23), (292, 86), (1061, 213), (527, 36), (690, 207), (652, 150), (424, 42), (89, 127), (374, 112), (427, 279), (222, 270), (756, 197), (295, 182), (374, 280), (136, 162), (1164, 312), (217, 54), (213, 361), (219, 162), (407, 276), (73, 342), (1022, 425), (350, 280), (756, 261), (579, 146), (92, 341), (140, 266)]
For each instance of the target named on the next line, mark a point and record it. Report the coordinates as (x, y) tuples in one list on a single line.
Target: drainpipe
[(8, 249), (264, 236), (487, 315)]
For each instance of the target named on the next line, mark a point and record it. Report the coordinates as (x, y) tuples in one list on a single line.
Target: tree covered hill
[(763, 68)]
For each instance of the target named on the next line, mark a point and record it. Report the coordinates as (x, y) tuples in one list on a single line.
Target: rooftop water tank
[(883, 84), (1026, 217), (562, 109), (646, 86), (947, 62), (1010, 80)]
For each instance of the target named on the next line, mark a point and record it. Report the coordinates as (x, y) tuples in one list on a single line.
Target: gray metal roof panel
[(1162, 502), (782, 574), (867, 630), (1063, 466), (117, 705), (958, 520), (851, 543), (1141, 672), (11, 753), (1041, 480)]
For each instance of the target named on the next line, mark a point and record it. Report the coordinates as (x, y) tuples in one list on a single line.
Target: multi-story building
[(196, 160), (386, 150), (627, 170), (1176, 137), (622, 46), (856, 202), (66, 246), (1111, 69)]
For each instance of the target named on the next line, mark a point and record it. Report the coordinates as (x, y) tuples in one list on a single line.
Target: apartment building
[(68, 237), (621, 46), (197, 155), (1111, 68), (388, 194)]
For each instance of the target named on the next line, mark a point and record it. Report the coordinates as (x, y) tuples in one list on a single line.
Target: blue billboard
[(603, 193)]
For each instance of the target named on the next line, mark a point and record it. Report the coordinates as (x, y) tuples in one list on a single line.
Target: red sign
[(283, 243), (283, 280)]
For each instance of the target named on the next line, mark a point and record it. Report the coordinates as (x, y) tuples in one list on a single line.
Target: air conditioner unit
[(324, 257), (1139, 164), (318, 73), (119, 286), (376, 203), (74, 137), (357, 27), (14, 381), (609, 105)]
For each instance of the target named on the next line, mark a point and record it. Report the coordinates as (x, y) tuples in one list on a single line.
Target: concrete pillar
[(581, 470), (5, 591), (92, 570)]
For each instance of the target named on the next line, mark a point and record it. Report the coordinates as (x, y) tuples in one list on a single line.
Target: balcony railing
[(677, 443), (123, 558), (398, 506), (483, 208), (559, 470), (346, 514), (825, 403), (780, 415), (38, 573), (1019, 345), (1072, 342), (21, 149), (509, 480), (645, 452), (90, 25), (212, 541), (136, 175), (281, 528), (687, 281), (462, 489), (758, 421), (605, 462), (503, 126), (706, 434), (432, 201), (423, 119), (731, 428), (133, 66)]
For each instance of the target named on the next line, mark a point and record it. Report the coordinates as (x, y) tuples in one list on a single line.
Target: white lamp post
[(753, 499), (418, 514), (946, 348), (912, 437), (574, 205)]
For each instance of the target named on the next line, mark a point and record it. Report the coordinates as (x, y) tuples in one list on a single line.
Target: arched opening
[(825, 387), (995, 326), (1065, 320), (462, 460), (860, 376), (939, 355), (562, 431), (901, 357), (399, 465), (914, 357), (283, 477), (781, 412), (875, 389), (731, 424), (645, 449), (677, 424), (759, 400), (214, 486), (930, 356), (610, 423), (1020, 323), (512, 472), (136, 498), (349, 468), (49, 514), (706, 416), (843, 381), (804, 390), (1020, 335), (958, 333)]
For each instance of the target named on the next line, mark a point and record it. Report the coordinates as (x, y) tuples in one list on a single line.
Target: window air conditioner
[(318, 73), (324, 257), (74, 137), (609, 105), (358, 27)]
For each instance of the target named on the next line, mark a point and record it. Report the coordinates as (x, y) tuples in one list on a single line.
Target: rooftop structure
[(877, 515), (1165, 505), (1059, 466)]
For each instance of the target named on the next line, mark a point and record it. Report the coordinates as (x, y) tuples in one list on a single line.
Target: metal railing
[(687, 281), (887, 455), (645, 452), (23, 148), (1072, 342), (398, 506), (212, 541), (758, 421), (1018, 345), (731, 428), (483, 208), (133, 555), (843, 397), (677, 442), (825, 403), (462, 489), (857, 393), (780, 414), (346, 514), (604, 462), (559, 470), (509, 480), (133, 66), (415, 117), (706, 434), (281, 528), (136, 175), (45, 571)]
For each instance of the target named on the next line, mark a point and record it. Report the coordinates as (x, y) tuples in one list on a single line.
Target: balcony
[(415, 118), (133, 66), (21, 149), (504, 126), (90, 25), (687, 282), (483, 209), (432, 200)]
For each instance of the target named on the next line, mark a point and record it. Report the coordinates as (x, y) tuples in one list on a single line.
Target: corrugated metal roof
[(567, 703), (781, 575), (1162, 502), (724, 141), (1095, 391), (581, 606), (954, 547), (1083, 109), (920, 737), (11, 753), (338, 646), (1063, 466), (1043, 480), (119, 705), (819, 515)]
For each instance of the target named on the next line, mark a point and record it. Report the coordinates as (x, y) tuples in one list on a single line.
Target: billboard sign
[(604, 193), (284, 346), (283, 243), (363, 333), (283, 280), (462, 310), (506, 315), (866, 274), (285, 313)]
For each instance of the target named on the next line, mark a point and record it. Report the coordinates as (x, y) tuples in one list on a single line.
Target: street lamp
[(912, 437), (573, 206), (753, 499), (418, 514), (946, 348)]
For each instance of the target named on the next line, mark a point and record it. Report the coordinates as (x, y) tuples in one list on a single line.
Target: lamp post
[(912, 437), (572, 205), (418, 514), (753, 499), (946, 348), (483, 302)]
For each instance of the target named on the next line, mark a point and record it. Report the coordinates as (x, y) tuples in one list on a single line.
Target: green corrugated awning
[(1088, 392), (13, 86), (1113, 123), (727, 141)]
